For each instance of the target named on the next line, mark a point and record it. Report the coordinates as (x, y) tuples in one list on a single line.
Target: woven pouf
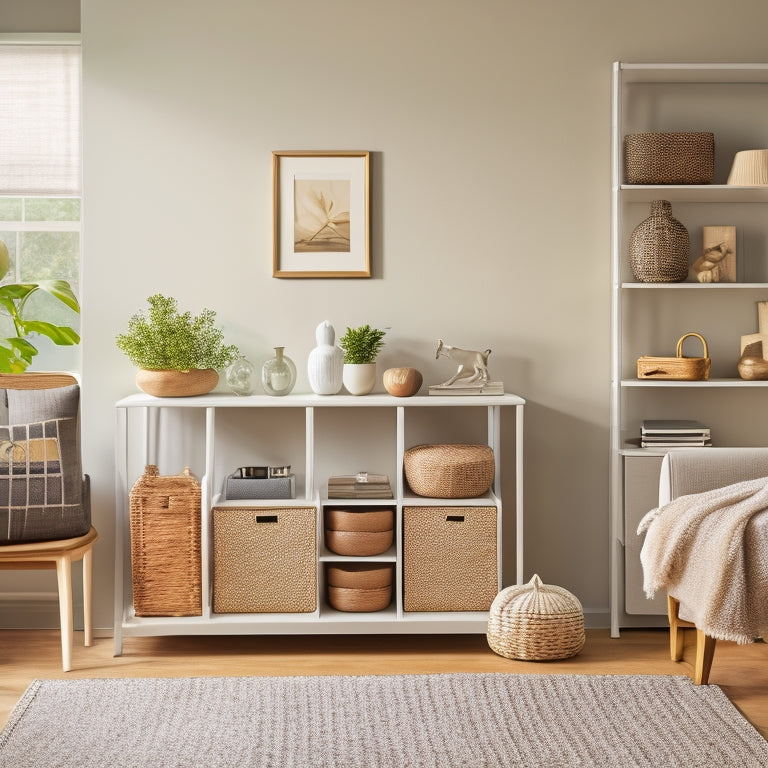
[(449, 471), (536, 622)]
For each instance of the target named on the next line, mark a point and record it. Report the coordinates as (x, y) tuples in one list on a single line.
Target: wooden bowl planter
[(177, 383)]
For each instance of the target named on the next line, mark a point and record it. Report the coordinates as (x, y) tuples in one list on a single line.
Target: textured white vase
[(359, 378), (326, 362)]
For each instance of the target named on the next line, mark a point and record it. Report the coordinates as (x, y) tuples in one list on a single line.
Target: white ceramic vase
[(359, 378), (325, 363)]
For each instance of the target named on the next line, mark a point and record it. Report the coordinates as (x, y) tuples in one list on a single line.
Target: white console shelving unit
[(731, 101), (320, 436)]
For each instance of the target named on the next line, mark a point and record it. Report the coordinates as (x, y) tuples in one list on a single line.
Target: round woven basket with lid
[(536, 622)]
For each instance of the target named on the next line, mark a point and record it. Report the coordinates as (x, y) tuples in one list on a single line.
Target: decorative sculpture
[(473, 366)]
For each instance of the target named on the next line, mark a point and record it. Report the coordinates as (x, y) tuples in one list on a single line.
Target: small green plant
[(16, 352), (362, 345), (169, 340)]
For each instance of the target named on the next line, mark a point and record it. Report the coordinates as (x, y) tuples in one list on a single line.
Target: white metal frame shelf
[(635, 87), (324, 620)]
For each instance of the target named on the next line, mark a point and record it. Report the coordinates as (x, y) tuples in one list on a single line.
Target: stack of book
[(363, 485), (674, 433)]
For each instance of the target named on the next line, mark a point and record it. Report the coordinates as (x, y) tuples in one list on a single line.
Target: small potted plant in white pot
[(177, 354), (361, 348)]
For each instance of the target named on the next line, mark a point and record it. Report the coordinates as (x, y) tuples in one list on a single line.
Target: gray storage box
[(259, 487)]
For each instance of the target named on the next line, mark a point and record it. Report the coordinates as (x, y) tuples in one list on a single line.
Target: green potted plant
[(177, 353), (361, 348), (16, 351)]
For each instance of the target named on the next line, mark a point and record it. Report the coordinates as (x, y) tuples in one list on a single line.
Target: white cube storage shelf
[(319, 436)]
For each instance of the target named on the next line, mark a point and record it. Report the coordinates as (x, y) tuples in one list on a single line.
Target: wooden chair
[(58, 554), (695, 471)]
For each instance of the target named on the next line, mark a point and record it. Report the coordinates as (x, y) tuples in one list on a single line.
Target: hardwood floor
[(741, 671)]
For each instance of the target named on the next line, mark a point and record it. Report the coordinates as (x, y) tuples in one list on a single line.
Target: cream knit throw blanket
[(701, 547)]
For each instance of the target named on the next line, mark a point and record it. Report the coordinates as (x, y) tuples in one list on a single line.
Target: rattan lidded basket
[(536, 622), (165, 544), (456, 471)]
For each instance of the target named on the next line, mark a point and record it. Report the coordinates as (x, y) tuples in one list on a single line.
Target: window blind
[(40, 133)]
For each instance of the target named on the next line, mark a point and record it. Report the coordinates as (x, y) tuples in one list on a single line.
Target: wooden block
[(751, 338), (717, 263)]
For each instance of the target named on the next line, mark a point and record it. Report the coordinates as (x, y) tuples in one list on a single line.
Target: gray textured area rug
[(444, 720)]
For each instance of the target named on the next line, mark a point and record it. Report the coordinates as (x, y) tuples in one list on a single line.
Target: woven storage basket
[(536, 622), (264, 559), (449, 558), (669, 158), (677, 368), (165, 544), (449, 471)]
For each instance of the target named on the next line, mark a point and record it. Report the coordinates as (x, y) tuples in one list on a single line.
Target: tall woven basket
[(536, 622), (165, 544), (659, 247)]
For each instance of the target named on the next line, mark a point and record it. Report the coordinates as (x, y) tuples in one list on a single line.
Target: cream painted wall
[(490, 128)]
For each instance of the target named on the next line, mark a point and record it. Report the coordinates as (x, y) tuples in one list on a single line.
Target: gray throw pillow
[(28, 405), (43, 492)]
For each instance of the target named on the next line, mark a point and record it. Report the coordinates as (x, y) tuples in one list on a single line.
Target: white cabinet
[(731, 101), (319, 436)]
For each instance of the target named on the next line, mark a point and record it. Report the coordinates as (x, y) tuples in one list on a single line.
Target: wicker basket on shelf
[(677, 368), (536, 622), (669, 158), (449, 471), (165, 544)]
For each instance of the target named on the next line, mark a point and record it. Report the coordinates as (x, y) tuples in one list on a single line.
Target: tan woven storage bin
[(449, 558), (449, 471), (264, 559), (165, 544), (669, 158), (536, 622)]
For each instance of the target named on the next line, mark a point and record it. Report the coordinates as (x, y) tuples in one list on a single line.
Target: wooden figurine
[(717, 263)]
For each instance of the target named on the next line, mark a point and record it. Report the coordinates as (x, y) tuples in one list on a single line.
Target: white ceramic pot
[(359, 378)]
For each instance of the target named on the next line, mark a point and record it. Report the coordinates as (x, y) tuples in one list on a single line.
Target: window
[(40, 164)]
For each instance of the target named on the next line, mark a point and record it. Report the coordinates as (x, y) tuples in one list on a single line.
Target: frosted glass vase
[(278, 374), (326, 362)]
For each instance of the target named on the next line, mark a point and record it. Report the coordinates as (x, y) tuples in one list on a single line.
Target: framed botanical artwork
[(321, 206)]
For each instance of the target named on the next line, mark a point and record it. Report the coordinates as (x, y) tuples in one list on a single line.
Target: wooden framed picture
[(321, 208)]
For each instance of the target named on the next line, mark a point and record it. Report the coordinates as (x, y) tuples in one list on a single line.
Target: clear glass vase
[(278, 374), (240, 376)]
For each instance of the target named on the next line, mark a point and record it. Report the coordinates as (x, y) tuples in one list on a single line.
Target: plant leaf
[(61, 290), (17, 290), (5, 260), (15, 355), (58, 334)]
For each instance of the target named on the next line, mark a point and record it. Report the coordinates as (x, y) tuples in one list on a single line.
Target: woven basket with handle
[(677, 368), (536, 622)]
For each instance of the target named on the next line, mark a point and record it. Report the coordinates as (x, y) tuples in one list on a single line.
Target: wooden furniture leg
[(88, 597), (705, 651), (676, 640), (64, 577)]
